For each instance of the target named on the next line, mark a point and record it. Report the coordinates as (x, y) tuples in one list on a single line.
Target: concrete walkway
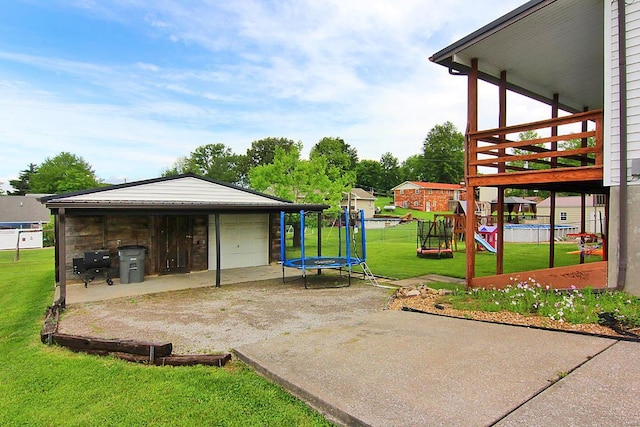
[(408, 369), (98, 290)]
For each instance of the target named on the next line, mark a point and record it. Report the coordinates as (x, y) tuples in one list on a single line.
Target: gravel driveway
[(207, 320)]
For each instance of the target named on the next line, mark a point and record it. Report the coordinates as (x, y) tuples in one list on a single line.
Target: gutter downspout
[(622, 81)]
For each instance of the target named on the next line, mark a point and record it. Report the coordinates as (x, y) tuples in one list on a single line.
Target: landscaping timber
[(142, 348)]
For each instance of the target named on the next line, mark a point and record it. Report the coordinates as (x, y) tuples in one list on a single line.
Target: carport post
[(319, 237), (62, 256), (217, 220)]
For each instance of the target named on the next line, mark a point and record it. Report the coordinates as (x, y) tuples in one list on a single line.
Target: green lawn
[(50, 386), (43, 385), (392, 252)]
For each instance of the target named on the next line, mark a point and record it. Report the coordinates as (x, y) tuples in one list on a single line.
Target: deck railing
[(571, 151)]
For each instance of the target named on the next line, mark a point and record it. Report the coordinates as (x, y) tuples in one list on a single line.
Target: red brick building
[(426, 196)]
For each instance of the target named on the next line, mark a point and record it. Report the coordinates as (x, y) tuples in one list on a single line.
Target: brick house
[(426, 196)]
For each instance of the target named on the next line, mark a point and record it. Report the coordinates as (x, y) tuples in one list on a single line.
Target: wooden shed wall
[(86, 233)]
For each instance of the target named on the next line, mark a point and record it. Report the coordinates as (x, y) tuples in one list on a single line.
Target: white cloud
[(250, 69)]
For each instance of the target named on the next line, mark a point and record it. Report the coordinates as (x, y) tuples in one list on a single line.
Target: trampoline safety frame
[(319, 262)]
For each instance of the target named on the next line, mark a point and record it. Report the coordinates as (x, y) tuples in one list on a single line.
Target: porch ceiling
[(545, 46)]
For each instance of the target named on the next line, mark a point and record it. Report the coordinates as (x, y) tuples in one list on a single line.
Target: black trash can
[(132, 263)]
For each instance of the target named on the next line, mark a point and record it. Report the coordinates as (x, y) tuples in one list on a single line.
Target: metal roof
[(545, 46), (431, 185), (183, 192), (22, 209)]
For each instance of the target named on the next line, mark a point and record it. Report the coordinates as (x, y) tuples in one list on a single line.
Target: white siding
[(612, 90), (28, 240)]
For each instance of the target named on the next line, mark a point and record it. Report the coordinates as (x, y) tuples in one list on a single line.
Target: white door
[(244, 240)]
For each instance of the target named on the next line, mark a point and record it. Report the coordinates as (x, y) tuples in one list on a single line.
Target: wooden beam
[(593, 274), (500, 240), (543, 176), (502, 122), (472, 126), (554, 164), (552, 229), (541, 155), (595, 115), (500, 142)]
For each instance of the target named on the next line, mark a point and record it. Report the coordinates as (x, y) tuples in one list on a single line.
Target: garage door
[(244, 240)]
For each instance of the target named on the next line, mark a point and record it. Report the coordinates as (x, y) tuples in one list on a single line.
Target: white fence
[(29, 239)]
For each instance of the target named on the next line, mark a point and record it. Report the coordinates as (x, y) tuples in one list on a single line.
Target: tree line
[(274, 165)]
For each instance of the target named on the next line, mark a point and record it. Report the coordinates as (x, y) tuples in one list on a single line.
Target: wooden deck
[(496, 158)]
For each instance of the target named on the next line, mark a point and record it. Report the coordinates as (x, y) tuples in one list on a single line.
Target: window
[(417, 191), (401, 191), (405, 204), (415, 203), (430, 191), (441, 191), (563, 216)]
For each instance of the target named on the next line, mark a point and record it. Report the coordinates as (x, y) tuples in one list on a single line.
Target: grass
[(50, 386), (391, 252)]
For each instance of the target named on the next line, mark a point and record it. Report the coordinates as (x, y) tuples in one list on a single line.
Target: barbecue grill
[(94, 263)]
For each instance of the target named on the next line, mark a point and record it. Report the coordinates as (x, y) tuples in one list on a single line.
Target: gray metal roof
[(545, 46), (186, 192), (22, 209)]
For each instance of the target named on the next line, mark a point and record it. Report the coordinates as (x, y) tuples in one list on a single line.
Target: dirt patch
[(207, 320)]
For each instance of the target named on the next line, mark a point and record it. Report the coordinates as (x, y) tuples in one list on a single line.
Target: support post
[(554, 164), (61, 243), (502, 122), (472, 126), (218, 275)]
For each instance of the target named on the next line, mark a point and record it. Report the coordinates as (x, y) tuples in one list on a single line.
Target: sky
[(132, 85)]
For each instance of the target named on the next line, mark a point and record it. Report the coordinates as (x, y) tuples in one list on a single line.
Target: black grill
[(94, 263)]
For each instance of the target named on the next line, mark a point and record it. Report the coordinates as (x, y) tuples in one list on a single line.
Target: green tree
[(443, 151), (180, 166), (338, 153), (63, 173), (412, 169), (307, 181), (216, 161), (368, 174), (262, 152), (22, 185), (390, 172)]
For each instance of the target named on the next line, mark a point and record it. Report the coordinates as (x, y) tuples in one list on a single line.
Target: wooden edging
[(152, 353)]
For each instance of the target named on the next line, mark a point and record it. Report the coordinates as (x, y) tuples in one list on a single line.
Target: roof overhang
[(184, 194), (546, 47)]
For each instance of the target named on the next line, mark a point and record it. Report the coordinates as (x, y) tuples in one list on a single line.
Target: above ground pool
[(536, 233)]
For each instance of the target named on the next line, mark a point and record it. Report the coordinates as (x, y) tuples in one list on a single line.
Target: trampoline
[(319, 262)]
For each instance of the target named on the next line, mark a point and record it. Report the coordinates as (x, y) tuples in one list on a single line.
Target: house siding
[(421, 199), (612, 91)]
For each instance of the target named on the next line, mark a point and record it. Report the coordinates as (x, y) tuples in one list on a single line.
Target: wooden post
[(61, 243), (554, 164), (471, 170), (502, 122), (583, 207), (218, 276)]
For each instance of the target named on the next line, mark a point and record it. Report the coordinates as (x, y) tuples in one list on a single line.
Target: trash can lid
[(132, 247)]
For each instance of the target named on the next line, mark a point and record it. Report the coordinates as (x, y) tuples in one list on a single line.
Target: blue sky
[(131, 85)]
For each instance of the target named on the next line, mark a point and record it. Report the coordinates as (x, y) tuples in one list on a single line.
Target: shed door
[(174, 244), (244, 240)]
